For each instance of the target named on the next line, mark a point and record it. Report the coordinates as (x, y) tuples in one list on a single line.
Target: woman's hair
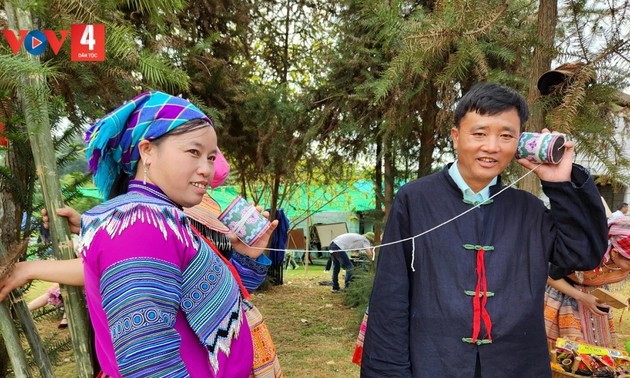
[(121, 183), (187, 127)]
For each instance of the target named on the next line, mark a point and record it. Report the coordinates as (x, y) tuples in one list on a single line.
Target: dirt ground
[(622, 317)]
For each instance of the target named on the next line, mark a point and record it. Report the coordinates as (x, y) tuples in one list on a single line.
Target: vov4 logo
[(87, 41)]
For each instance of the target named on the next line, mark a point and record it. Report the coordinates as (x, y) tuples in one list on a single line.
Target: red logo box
[(87, 42)]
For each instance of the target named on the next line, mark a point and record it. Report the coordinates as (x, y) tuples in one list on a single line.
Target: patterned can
[(543, 148), (244, 220)]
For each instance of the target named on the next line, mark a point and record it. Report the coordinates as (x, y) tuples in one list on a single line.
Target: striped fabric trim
[(116, 215), (141, 298), (252, 272), (258, 265), (212, 302), (567, 318), (357, 356)]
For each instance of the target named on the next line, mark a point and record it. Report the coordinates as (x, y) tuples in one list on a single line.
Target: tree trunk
[(11, 210), (275, 272), (379, 196), (541, 63), (33, 97), (429, 111), (378, 174), (10, 333), (388, 164)]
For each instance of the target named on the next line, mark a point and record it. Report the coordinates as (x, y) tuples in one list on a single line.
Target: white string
[(412, 238)]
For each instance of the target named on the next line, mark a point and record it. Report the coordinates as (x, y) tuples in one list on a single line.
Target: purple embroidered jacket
[(162, 303)]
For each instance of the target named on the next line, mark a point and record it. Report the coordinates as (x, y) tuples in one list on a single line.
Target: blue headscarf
[(112, 142)]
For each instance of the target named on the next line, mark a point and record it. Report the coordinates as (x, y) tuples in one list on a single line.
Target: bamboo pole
[(12, 342), (11, 336), (30, 331), (34, 102)]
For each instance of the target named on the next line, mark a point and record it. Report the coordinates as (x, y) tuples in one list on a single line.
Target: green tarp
[(358, 196)]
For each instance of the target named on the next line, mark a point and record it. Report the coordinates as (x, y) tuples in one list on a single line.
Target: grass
[(63, 363), (314, 332), (622, 321)]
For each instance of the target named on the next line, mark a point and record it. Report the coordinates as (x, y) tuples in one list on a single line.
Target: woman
[(203, 218), (161, 300), (571, 312)]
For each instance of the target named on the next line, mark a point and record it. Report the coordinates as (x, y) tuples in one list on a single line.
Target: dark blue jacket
[(421, 321)]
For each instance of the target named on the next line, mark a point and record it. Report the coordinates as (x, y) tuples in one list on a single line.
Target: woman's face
[(181, 165), (619, 260)]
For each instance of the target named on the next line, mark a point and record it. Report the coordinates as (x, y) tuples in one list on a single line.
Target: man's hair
[(491, 99), (622, 205)]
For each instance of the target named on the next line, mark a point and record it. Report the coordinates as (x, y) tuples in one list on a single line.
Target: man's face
[(485, 145)]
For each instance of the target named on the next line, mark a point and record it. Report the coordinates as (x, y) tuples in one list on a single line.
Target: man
[(338, 248), (622, 211), (466, 299)]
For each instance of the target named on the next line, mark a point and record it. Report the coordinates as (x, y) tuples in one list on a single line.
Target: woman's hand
[(73, 216), (259, 246), (592, 303), (19, 276), (66, 272)]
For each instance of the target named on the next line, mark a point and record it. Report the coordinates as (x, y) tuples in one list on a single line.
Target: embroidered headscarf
[(619, 237), (112, 142)]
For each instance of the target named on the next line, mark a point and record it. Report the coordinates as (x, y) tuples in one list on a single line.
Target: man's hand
[(560, 172)]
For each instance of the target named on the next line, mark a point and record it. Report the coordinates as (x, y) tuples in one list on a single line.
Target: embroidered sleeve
[(141, 297), (252, 272), (211, 303)]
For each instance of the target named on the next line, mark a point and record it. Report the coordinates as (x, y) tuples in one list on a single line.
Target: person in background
[(339, 248), (52, 297), (290, 260), (466, 299), (368, 252), (571, 311), (622, 211)]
